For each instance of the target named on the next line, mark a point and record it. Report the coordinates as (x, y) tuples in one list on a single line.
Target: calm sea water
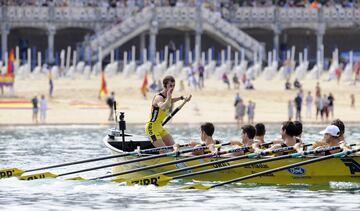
[(31, 147)]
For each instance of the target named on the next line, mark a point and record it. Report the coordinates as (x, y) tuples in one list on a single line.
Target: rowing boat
[(337, 169)]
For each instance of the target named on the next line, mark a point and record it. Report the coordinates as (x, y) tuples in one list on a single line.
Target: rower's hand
[(299, 147), (169, 93), (188, 98)]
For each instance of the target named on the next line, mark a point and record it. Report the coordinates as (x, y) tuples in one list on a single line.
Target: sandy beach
[(76, 101)]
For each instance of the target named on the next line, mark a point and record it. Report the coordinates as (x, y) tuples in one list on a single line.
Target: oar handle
[(173, 113)]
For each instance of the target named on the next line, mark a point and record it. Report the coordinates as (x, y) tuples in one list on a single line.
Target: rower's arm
[(163, 105), (175, 99)]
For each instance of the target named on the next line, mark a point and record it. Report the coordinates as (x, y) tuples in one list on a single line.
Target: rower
[(298, 132), (206, 132), (160, 106), (260, 133), (288, 132), (247, 140), (331, 138), (340, 124)]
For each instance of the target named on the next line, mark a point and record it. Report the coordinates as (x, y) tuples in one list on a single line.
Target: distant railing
[(294, 15), (88, 14)]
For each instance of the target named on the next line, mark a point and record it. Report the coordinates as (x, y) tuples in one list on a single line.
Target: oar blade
[(10, 172), (45, 175), (76, 178), (158, 180), (196, 186)]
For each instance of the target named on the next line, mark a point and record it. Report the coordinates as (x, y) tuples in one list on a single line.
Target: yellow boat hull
[(335, 169), (323, 172)]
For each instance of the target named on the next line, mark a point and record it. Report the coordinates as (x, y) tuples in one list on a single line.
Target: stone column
[(198, 33), (142, 46), (51, 35), (4, 40), (276, 42), (187, 47), (319, 39), (152, 46)]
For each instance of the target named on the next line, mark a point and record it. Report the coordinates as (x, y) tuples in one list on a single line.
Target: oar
[(175, 111), (161, 178), (12, 172), (169, 154), (303, 163), (170, 163)]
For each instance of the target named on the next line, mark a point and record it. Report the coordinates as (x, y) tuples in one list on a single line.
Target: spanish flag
[(144, 87), (10, 66), (103, 90)]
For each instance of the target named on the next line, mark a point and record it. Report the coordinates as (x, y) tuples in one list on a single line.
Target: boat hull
[(336, 169)]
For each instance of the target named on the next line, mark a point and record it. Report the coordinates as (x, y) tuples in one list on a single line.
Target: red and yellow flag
[(10, 65), (144, 86), (103, 89)]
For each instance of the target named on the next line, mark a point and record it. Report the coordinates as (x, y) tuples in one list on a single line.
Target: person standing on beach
[(298, 105), (317, 90), (352, 101), (35, 109), (110, 102), (309, 102), (43, 108), (201, 71), (160, 106), (251, 112), (331, 100), (290, 110)]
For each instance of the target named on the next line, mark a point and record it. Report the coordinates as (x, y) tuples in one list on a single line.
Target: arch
[(345, 39), (299, 37), (263, 35), (27, 37), (70, 36)]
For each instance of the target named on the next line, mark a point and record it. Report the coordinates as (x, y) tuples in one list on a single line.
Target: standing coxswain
[(160, 107)]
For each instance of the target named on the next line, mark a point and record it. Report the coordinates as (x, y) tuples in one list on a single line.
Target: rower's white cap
[(331, 130)]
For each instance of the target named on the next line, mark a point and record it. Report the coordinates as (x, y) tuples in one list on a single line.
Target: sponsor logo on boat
[(147, 181), (298, 170), (352, 165), (257, 166), (218, 165), (8, 173)]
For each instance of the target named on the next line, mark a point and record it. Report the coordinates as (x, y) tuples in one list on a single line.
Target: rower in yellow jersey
[(160, 106)]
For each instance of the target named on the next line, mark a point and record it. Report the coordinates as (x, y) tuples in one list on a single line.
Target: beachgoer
[(290, 110), (225, 79), (298, 105), (251, 112), (352, 101), (160, 106), (201, 71), (35, 109), (236, 81), (110, 102), (331, 100), (309, 102), (43, 108)]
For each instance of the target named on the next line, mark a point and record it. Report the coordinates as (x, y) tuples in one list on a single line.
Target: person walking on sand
[(298, 105), (251, 112), (43, 108), (35, 109), (110, 102), (309, 102), (352, 101), (160, 106), (290, 110)]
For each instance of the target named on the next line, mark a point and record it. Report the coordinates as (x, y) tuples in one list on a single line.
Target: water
[(31, 147)]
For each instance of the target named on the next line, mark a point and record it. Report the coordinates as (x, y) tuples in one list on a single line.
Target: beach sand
[(77, 102)]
